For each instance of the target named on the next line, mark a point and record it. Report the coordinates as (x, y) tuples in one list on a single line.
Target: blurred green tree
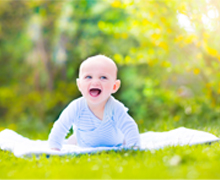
[(52, 38), (176, 44), (167, 52)]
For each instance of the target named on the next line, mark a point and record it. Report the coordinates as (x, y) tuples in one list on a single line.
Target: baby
[(98, 119)]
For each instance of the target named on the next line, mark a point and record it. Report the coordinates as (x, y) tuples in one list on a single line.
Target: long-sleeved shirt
[(116, 127)]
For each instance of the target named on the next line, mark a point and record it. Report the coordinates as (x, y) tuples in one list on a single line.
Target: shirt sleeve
[(128, 127), (62, 125)]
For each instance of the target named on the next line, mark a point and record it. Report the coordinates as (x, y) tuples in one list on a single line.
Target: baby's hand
[(56, 149), (135, 147)]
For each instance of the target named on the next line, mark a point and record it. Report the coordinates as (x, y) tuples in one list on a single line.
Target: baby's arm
[(61, 128), (129, 128)]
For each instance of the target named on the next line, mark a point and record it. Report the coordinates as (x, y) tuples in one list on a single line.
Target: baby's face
[(97, 80)]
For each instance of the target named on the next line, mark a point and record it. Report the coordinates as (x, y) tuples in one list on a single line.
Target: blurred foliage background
[(167, 52)]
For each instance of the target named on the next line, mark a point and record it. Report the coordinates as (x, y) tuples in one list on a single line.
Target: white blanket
[(22, 146)]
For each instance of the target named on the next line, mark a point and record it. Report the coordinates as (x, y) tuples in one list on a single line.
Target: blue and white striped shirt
[(115, 128)]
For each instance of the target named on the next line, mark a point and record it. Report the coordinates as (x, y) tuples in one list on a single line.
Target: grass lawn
[(200, 161), (190, 162)]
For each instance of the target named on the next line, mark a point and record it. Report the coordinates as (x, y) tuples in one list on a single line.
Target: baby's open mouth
[(94, 92)]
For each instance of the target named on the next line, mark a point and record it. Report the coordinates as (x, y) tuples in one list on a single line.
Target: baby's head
[(99, 60), (98, 78)]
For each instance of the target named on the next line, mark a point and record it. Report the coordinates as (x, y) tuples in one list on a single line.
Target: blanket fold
[(22, 146)]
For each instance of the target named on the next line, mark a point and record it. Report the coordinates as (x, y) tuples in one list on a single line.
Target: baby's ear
[(78, 83), (116, 86)]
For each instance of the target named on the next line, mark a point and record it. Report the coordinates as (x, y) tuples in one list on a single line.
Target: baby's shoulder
[(76, 104), (117, 106)]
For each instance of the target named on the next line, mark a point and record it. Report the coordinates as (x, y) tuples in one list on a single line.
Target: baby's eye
[(88, 77), (103, 77)]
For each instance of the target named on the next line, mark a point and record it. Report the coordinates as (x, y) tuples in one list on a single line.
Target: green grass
[(186, 162), (200, 161)]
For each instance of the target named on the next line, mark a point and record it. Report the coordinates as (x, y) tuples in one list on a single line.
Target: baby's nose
[(95, 82)]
